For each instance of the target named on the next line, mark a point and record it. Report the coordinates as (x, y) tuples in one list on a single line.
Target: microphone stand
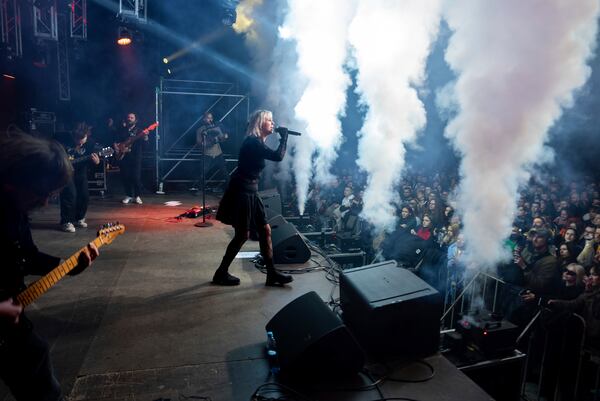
[(203, 223)]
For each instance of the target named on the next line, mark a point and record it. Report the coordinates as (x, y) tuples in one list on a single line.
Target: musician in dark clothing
[(31, 170), (214, 159), (241, 206), (131, 164), (74, 197)]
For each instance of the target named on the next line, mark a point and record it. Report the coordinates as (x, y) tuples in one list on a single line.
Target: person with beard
[(31, 170), (538, 265), (131, 164)]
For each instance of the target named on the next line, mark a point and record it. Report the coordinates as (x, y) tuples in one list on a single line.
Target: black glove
[(282, 131)]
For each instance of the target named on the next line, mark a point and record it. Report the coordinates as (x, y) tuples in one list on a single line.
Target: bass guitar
[(124, 147), (102, 154)]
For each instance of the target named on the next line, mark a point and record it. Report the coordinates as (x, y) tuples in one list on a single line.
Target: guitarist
[(31, 170), (213, 135), (131, 165), (74, 197)]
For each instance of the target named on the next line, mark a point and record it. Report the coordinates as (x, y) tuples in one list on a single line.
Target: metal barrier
[(473, 293), (562, 344)]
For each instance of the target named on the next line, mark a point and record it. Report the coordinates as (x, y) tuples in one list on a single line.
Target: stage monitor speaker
[(288, 244), (392, 312), (311, 341), (272, 202)]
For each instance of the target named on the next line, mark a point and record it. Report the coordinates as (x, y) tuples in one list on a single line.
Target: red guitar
[(124, 147)]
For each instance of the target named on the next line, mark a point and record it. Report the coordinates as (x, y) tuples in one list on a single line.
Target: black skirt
[(241, 209)]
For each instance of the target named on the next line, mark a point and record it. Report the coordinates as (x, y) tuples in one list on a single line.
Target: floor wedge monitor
[(311, 341), (288, 244)]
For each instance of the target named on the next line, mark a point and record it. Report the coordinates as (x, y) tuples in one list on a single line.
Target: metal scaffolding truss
[(10, 15), (45, 20), (170, 155), (62, 58), (78, 19), (134, 9)]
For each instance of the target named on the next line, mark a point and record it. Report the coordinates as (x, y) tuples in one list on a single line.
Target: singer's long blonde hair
[(256, 121)]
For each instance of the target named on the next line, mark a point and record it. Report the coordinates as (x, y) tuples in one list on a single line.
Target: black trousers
[(26, 369), (74, 199), (131, 174)]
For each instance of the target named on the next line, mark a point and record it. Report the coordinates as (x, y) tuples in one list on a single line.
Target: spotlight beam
[(182, 41)]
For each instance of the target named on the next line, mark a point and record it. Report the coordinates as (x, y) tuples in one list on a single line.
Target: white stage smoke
[(275, 58), (518, 63), (319, 29), (391, 41)]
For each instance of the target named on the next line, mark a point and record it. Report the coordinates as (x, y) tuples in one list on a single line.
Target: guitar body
[(122, 148), (213, 135)]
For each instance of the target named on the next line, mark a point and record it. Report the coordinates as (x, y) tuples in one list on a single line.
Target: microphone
[(279, 130)]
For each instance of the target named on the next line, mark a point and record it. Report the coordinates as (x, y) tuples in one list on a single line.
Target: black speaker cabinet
[(272, 202), (312, 341), (392, 312), (288, 245)]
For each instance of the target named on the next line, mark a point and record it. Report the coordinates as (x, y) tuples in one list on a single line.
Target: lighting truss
[(134, 9), (45, 20), (10, 16), (62, 59), (78, 19)]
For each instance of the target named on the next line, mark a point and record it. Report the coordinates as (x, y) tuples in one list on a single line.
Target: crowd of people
[(555, 239)]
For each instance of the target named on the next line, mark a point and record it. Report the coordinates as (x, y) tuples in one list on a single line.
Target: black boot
[(224, 278), (276, 279)]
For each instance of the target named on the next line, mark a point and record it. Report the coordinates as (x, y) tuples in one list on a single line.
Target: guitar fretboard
[(36, 289)]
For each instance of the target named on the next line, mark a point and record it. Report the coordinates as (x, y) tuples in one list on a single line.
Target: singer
[(242, 208)]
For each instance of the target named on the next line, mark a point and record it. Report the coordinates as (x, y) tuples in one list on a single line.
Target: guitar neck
[(81, 159), (35, 290), (129, 141)]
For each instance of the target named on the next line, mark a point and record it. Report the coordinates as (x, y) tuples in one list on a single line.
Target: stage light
[(124, 38), (8, 76), (229, 14), (169, 71), (166, 60)]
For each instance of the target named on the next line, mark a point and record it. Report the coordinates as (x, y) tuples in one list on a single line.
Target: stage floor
[(144, 322)]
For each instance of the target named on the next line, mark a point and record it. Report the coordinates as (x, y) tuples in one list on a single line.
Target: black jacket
[(20, 256)]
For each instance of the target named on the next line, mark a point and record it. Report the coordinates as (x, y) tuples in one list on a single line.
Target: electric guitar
[(124, 147), (102, 154), (106, 235)]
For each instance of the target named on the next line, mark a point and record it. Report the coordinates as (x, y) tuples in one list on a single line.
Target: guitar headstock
[(151, 127), (106, 152), (108, 232)]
